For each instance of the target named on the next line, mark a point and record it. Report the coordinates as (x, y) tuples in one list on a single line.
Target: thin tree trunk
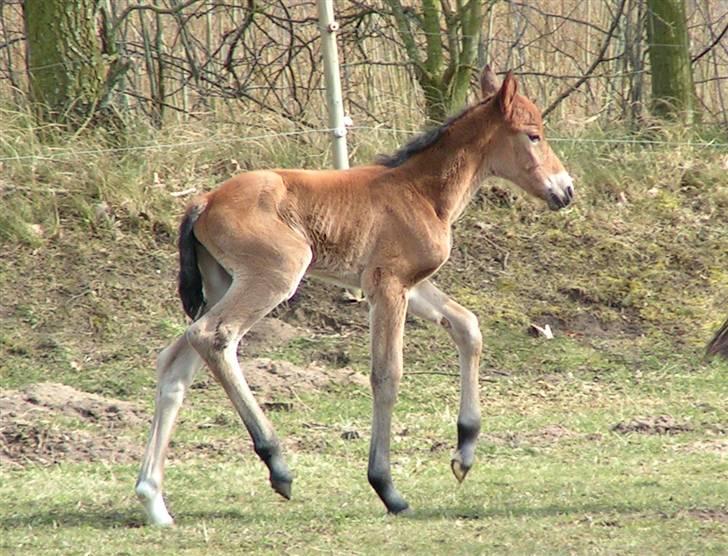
[(445, 86), (15, 86), (673, 91)]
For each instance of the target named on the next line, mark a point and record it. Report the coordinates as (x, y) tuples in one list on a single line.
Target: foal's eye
[(534, 138)]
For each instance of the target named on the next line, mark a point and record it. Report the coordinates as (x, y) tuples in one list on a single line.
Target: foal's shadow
[(98, 519), (469, 512), (132, 518)]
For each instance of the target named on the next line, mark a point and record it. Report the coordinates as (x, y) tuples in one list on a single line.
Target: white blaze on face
[(561, 182)]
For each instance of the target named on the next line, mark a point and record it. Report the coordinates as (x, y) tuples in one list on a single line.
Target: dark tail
[(190, 279), (719, 344)]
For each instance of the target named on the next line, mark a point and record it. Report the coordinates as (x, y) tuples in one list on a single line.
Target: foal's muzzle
[(560, 191)]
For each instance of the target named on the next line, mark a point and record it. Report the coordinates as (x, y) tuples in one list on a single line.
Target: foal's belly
[(344, 279)]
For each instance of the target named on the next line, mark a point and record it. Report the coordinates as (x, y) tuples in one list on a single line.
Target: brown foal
[(384, 228)]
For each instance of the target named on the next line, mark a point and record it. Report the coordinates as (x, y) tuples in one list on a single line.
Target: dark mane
[(421, 142)]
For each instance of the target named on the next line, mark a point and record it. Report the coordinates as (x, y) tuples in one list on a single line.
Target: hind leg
[(215, 336), (176, 367)]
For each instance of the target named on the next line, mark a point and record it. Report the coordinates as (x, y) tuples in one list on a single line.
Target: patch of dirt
[(36, 422), (714, 446), (589, 325), (552, 433), (323, 308), (29, 433), (708, 514), (719, 514), (53, 398), (24, 442), (440, 446), (662, 424), (267, 334), (270, 380)]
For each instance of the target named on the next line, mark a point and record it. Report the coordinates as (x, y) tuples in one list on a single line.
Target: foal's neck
[(452, 169)]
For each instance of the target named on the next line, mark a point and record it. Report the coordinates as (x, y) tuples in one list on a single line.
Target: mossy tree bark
[(65, 64), (443, 73), (673, 90)]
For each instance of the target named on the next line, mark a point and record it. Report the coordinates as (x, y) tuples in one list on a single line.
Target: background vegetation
[(611, 437)]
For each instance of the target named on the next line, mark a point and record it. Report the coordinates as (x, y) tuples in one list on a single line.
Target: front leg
[(429, 303), (388, 307)]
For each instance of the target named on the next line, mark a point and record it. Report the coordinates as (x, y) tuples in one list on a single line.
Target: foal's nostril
[(564, 199)]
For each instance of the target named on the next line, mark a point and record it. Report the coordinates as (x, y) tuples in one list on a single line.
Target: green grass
[(632, 279), (588, 491)]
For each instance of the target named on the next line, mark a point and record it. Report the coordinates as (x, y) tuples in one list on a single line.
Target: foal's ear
[(489, 82), (507, 95)]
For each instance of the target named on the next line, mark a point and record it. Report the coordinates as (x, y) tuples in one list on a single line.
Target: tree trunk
[(443, 73), (65, 66), (673, 91)]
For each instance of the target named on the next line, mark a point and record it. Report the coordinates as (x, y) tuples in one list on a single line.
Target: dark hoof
[(283, 488), (403, 510), (459, 470)]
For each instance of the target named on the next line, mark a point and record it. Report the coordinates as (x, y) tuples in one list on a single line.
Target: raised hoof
[(283, 488), (459, 470)]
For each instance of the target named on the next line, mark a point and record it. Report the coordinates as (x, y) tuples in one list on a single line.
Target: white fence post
[(333, 83)]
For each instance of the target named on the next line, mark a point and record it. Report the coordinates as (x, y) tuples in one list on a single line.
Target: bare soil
[(662, 424), (274, 380), (50, 398), (717, 446), (47, 423), (267, 334), (586, 324), (708, 514)]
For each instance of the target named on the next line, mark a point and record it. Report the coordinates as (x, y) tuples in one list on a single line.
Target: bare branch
[(711, 45), (598, 60)]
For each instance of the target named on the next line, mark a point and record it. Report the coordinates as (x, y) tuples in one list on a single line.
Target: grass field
[(610, 438)]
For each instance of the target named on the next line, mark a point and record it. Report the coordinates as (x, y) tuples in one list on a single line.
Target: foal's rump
[(248, 231), (218, 221)]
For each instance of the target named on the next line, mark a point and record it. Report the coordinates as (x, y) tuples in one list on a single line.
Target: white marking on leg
[(176, 367), (151, 498)]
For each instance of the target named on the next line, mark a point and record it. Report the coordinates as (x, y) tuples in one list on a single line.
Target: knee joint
[(385, 385), (197, 337), (209, 340), (467, 332), (173, 392)]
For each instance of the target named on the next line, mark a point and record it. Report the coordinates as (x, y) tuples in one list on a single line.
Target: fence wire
[(58, 154), (204, 55)]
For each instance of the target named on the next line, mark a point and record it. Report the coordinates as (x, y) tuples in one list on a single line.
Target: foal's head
[(519, 151)]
